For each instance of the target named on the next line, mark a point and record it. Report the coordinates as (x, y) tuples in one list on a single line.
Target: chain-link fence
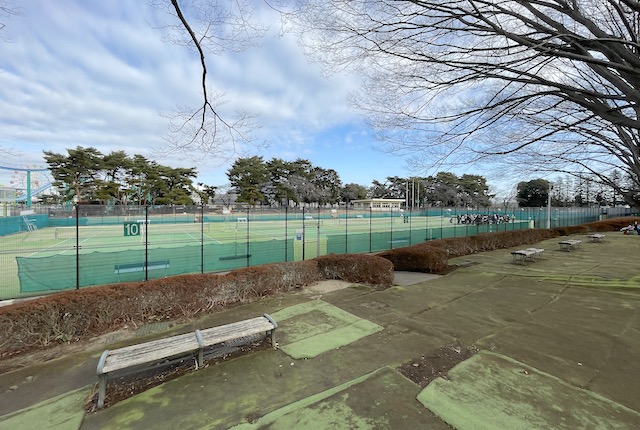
[(48, 249)]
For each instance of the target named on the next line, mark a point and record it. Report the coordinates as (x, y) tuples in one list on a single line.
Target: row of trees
[(443, 189), (569, 191), (276, 182), (87, 175)]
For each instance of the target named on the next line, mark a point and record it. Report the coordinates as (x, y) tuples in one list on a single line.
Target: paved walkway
[(559, 341)]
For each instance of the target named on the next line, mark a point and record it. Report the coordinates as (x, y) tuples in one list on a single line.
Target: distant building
[(7, 195), (378, 204)]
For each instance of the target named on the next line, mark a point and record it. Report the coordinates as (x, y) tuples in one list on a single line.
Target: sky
[(96, 73)]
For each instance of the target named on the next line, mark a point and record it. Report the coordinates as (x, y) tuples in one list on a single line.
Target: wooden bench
[(225, 338), (596, 237), (569, 245), (522, 255)]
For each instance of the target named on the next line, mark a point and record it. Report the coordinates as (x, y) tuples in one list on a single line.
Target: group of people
[(631, 228), (478, 219)]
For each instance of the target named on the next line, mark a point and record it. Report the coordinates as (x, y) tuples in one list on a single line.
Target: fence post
[(286, 233), (146, 242), (410, 232), (370, 238), (318, 233), (304, 234), (202, 238), (391, 228), (346, 228), (77, 210), (427, 236), (248, 238)]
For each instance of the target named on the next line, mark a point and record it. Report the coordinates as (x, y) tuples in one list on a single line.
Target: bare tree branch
[(539, 84), (213, 26)]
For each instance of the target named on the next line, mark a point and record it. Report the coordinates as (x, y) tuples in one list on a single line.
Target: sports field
[(46, 258)]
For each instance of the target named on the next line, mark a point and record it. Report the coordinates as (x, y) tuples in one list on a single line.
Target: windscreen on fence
[(57, 248), (58, 272)]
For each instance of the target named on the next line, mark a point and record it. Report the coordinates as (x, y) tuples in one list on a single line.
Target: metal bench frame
[(521, 256), (189, 344), (569, 245)]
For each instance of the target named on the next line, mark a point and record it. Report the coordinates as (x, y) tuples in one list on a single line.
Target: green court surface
[(63, 412), (44, 260), (491, 391), (312, 328), (345, 406)]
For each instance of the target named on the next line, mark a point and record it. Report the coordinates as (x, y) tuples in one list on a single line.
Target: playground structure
[(27, 196)]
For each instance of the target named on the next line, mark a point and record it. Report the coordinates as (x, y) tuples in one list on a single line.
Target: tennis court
[(73, 252)]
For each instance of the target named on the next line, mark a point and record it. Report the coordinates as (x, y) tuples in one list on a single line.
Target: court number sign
[(132, 229)]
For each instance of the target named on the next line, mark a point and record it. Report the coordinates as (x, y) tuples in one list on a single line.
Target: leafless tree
[(544, 85), (7, 10), (210, 27)]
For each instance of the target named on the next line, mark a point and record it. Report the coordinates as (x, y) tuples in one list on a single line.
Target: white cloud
[(98, 74)]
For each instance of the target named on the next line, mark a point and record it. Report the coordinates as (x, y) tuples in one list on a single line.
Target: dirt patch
[(436, 364), (327, 286)]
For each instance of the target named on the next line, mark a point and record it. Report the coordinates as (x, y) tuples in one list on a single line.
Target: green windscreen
[(66, 271)]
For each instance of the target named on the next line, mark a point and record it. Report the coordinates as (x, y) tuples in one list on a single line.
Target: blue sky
[(97, 73)]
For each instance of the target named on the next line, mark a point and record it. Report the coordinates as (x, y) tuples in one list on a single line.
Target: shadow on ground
[(557, 343)]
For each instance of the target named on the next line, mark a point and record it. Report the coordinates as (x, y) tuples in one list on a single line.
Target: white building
[(378, 204)]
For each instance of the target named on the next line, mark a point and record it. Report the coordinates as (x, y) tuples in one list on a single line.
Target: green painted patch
[(64, 412), (490, 391), (354, 405), (312, 328)]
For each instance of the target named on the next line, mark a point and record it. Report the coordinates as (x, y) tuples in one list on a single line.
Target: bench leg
[(272, 335), (102, 390), (200, 348)]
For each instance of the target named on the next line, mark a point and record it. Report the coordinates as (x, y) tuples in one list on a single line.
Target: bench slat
[(149, 352), (215, 335)]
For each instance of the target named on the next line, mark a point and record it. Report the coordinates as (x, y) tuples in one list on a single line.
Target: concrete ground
[(559, 343)]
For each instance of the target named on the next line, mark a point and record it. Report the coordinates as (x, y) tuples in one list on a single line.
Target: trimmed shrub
[(613, 224), (424, 259), (77, 315), (365, 269)]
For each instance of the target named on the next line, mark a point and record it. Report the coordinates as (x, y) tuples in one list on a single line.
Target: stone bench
[(596, 237)]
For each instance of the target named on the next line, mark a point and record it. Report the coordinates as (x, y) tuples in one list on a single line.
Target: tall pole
[(28, 188), (406, 194), (549, 207)]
